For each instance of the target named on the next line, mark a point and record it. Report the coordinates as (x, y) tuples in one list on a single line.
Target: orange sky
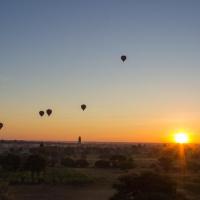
[(63, 54), (123, 128)]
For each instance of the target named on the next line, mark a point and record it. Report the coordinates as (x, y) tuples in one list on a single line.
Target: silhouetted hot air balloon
[(41, 113), (1, 126), (49, 112), (83, 107), (123, 58)]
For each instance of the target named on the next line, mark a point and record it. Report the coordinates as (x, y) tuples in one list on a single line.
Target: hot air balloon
[(123, 58), (1, 126), (83, 107), (49, 112), (41, 113)]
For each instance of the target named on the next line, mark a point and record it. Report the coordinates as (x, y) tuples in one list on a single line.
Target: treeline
[(36, 163), (116, 161)]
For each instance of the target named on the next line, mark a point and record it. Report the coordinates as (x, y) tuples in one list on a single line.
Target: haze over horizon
[(60, 54)]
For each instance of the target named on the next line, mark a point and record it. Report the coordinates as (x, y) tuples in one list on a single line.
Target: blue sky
[(60, 54)]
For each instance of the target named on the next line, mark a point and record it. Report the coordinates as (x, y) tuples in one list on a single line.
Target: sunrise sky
[(61, 53)]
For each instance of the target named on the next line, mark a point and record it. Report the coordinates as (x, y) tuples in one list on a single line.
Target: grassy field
[(99, 189)]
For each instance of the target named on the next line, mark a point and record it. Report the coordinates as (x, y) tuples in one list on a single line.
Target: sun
[(181, 138)]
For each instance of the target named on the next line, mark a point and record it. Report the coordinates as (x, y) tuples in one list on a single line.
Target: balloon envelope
[(123, 58), (83, 107), (49, 112), (1, 126), (41, 113)]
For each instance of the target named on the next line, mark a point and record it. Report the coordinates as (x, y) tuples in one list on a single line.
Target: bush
[(116, 160), (193, 165), (81, 163), (68, 162), (127, 164), (166, 162)]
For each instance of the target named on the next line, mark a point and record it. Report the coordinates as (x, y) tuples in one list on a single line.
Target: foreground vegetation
[(142, 172)]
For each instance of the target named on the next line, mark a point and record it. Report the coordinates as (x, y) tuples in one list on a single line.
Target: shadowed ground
[(44, 192)]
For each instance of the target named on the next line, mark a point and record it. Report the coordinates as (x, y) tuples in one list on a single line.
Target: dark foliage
[(82, 163), (127, 164), (10, 162), (68, 162), (147, 186), (116, 160), (35, 163), (102, 164), (193, 165)]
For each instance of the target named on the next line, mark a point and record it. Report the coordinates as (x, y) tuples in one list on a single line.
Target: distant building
[(79, 140)]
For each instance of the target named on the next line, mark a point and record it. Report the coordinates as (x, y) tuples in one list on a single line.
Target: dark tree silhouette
[(102, 164), (147, 186), (10, 162), (35, 164)]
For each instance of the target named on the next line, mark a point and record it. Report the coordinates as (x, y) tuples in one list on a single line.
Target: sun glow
[(181, 138)]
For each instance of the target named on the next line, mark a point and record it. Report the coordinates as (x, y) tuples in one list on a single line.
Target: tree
[(36, 164), (10, 162), (102, 164), (146, 186)]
